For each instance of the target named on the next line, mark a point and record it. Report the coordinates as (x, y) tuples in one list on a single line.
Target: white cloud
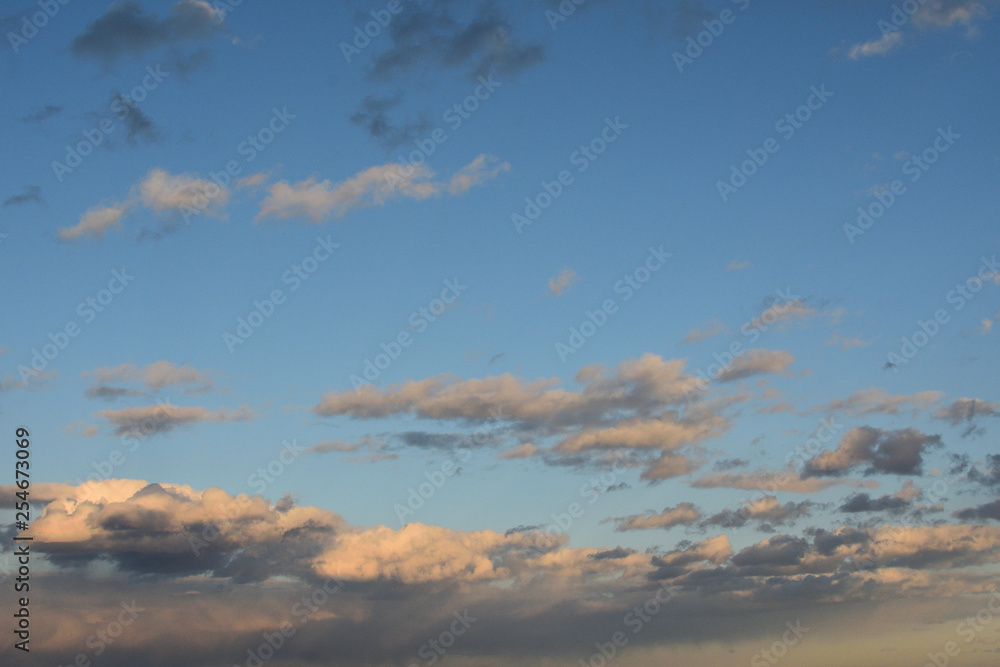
[(318, 200), (878, 47), (96, 222)]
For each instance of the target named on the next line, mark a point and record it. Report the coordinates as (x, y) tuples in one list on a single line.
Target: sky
[(488, 333)]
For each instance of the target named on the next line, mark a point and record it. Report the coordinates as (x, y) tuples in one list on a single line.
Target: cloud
[(879, 47), (765, 509), (163, 193), (984, 512), (43, 114), (173, 193), (889, 452), (756, 362), (862, 502), (563, 281), (137, 124), (165, 417), (847, 343), (30, 193), (523, 451), (475, 37), (155, 376), (96, 221), (318, 200), (941, 14), (681, 514), (483, 168), (639, 409), (107, 393), (967, 409), (373, 116), (644, 383), (208, 554), (738, 265), (666, 433), (125, 29), (780, 480), (710, 329), (878, 401), (781, 312)]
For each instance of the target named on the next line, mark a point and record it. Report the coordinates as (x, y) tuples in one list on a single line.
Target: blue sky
[(778, 265)]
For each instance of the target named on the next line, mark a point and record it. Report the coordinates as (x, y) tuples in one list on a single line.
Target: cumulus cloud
[(756, 362), (208, 555), (889, 452), (319, 200), (125, 29)]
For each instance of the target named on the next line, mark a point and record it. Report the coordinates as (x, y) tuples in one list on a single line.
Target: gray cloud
[(477, 38), (30, 193), (43, 114), (891, 452), (373, 116), (125, 29)]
